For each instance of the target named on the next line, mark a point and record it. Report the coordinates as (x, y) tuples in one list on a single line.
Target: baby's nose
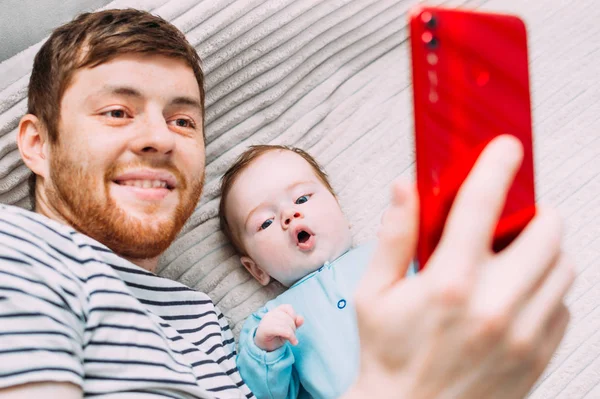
[(288, 220)]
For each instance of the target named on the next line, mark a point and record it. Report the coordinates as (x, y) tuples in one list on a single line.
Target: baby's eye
[(303, 199), (266, 224)]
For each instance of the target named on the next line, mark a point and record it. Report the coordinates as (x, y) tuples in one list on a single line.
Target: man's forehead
[(141, 75), (109, 89)]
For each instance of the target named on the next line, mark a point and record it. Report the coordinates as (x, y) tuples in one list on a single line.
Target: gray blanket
[(332, 77)]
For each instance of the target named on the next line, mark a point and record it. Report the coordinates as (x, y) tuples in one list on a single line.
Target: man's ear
[(33, 144), (259, 274)]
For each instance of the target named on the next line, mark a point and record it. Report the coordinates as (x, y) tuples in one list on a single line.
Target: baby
[(281, 214)]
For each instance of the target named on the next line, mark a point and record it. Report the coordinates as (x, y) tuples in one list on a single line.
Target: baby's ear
[(259, 274)]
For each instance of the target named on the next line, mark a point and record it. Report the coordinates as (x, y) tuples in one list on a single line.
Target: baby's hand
[(278, 326)]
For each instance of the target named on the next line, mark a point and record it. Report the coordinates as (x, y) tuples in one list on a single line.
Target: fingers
[(555, 331), (480, 200), (285, 332), (548, 300), (286, 321), (533, 255), (287, 309), (397, 240)]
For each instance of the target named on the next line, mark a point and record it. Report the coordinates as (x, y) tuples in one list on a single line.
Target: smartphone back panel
[(470, 84)]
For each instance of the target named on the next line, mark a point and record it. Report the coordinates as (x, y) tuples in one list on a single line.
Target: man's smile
[(146, 184)]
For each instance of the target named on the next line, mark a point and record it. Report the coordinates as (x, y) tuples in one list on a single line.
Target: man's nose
[(288, 216), (154, 137)]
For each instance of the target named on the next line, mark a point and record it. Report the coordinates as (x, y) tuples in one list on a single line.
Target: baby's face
[(286, 219)]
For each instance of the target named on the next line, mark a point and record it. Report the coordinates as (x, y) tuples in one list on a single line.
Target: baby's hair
[(241, 163)]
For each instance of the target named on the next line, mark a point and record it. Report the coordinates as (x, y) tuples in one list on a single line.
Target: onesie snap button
[(341, 304)]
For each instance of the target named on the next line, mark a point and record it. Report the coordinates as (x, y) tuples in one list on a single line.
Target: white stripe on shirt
[(71, 310)]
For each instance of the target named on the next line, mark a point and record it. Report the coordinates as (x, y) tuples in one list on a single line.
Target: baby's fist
[(278, 325)]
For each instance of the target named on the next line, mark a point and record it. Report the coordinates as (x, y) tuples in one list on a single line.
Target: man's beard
[(76, 195)]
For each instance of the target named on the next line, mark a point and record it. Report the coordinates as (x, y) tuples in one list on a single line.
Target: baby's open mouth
[(305, 239), (303, 236)]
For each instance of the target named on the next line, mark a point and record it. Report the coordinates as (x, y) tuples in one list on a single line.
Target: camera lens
[(430, 41), (433, 43), (431, 23), (429, 20)]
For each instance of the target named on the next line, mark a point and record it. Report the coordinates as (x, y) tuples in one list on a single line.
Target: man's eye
[(116, 113), (302, 200), (181, 122), (266, 224)]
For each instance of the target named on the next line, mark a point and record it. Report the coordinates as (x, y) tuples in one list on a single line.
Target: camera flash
[(432, 59), (426, 17), (427, 37)]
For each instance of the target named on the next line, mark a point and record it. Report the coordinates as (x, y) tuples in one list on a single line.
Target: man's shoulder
[(29, 223), (28, 237), (32, 225)]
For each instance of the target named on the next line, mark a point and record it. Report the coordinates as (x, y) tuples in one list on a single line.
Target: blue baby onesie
[(325, 362)]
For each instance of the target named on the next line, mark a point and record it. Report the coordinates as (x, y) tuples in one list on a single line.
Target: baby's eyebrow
[(299, 183), (262, 204)]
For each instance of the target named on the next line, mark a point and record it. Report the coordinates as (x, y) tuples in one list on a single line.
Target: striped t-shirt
[(73, 311)]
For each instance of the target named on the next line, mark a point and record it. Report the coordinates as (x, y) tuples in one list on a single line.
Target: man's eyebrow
[(189, 101), (121, 90), (288, 188), (128, 91)]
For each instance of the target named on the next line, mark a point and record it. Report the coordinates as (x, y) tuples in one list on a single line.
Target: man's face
[(289, 223), (128, 167)]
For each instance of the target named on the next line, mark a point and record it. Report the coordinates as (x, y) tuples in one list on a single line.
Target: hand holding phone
[(470, 84)]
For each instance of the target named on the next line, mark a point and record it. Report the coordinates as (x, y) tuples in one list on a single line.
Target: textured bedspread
[(332, 77)]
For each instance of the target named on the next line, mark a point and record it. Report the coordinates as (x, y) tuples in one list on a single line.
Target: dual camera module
[(431, 22)]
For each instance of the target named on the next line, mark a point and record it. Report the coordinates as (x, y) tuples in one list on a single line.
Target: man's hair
[(92, 39), (241, 164)]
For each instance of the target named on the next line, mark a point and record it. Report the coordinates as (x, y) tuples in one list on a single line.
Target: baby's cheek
[(270, 250), (336, 220)]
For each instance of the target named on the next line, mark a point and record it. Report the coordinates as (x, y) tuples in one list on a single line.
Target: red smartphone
[(470, 84)]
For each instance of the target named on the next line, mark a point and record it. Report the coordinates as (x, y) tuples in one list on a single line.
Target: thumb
[(397, 240)]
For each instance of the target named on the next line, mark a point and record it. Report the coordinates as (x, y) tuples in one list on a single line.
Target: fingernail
[(400, 191), (511, 144)]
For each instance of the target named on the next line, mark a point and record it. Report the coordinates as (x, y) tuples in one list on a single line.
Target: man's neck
[(42, 207), (147, 264)]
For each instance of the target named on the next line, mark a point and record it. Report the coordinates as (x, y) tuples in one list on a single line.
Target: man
[(114, 135)]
